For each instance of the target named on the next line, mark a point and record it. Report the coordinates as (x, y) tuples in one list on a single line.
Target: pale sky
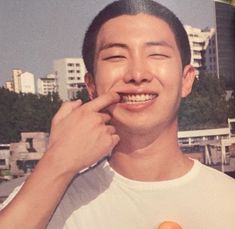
[(33, 33)]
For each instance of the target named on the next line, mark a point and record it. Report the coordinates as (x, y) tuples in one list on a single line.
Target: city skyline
[(33, 34)]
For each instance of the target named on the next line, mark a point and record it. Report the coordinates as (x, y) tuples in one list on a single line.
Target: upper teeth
[(137, 97)]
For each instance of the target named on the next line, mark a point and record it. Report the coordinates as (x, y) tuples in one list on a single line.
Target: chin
[(134, 127), (143, 125)]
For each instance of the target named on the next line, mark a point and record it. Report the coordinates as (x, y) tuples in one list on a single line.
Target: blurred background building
[(225, 38), (69, 73)]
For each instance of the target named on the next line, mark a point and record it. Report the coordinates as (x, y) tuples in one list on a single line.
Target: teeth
[(138, 98)]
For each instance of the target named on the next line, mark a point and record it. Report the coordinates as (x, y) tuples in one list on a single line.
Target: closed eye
[(114, 58), (159, 56)]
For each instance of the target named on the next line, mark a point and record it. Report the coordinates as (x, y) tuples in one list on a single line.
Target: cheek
[(170, 76), (101, 85), (107, 76)]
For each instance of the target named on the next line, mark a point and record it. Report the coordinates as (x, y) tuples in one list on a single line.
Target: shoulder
[(215, 177), (90, 181), (84, 190)]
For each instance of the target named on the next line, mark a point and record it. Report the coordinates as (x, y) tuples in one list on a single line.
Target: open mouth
[(136, 98)]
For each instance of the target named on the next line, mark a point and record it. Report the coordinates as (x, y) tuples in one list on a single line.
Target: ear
[(188, 79), (90, 85)]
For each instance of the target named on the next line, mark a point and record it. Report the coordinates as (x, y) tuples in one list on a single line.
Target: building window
[(78, 71), (196, 52), (78, 78), (2, 162), (77, 65), (70, 71), (70, 64)]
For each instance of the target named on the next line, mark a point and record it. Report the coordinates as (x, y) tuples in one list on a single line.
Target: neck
[(147, 158)]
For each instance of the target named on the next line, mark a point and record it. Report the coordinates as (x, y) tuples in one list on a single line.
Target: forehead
[(135, 28)]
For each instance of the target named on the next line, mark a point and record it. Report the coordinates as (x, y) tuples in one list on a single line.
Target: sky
[(33, 33)]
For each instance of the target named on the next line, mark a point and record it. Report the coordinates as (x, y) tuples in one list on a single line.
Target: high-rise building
[(46, 84), (69, 73), (23, 82), (9, 85), (203, 49), (27, 83), (210, 55), (16, 79), (225, 30)]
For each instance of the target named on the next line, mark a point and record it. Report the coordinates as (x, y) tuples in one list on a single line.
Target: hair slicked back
[(133, 7)]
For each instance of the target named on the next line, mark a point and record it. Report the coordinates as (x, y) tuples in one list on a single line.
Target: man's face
[(137, 57)]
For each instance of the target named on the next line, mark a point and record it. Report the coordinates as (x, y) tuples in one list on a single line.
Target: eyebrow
[(125, 46), (159, 43), (112, 45)]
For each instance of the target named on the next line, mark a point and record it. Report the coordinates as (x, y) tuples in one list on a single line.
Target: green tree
[(232, 2), (231, 104), (83, 95), (8, 132), (25, 113), (206, 107)]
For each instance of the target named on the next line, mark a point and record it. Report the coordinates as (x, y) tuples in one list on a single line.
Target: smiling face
[(137, 57)]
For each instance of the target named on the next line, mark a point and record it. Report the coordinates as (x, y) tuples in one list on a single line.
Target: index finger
[(103, 101)]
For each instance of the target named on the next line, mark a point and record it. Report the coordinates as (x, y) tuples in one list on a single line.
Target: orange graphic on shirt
[(169, 225)]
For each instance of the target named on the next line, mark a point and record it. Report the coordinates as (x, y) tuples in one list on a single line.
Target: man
[(138, 60)]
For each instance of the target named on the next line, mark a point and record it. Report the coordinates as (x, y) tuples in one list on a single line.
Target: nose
[(137, 72)]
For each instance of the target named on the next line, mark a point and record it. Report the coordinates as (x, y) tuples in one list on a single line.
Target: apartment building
[(69, 73), (203, 49), (23, 82), (16, 73), (9, 85), (47, 85)]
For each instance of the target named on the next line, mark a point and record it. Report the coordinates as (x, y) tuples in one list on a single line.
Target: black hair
[(133, 7)]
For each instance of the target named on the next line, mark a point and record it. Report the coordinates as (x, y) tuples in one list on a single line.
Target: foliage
[(231, 105), (228, 1), (206, 107), (83, 95), (25, 113)]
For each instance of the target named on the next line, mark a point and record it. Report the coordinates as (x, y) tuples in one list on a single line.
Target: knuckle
[(65, 104), (82, 111), (98, 119), (85, 107)]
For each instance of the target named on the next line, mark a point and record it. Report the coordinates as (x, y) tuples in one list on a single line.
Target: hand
[(80, 134)]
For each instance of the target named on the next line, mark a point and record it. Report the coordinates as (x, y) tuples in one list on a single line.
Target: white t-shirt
[(103, 199)]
